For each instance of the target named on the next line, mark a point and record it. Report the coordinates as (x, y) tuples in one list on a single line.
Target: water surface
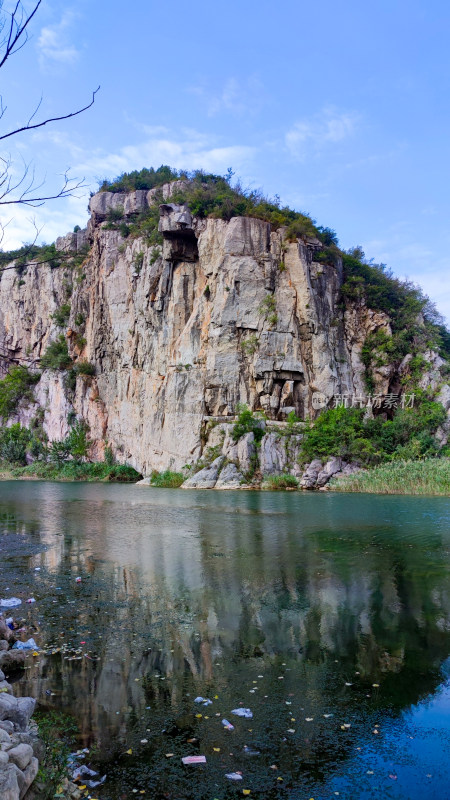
[(327, 615)]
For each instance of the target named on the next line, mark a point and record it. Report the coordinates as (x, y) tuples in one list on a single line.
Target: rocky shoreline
[(251, 464), (22, 751), (20, 746)]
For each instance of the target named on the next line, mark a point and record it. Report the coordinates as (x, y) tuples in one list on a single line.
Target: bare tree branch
[(17, 31), (24, 189), (51, 119)]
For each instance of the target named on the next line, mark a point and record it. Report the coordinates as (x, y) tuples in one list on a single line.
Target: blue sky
[(340, 108)]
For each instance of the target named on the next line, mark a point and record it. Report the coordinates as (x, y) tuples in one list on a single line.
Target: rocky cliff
[(177, 333)]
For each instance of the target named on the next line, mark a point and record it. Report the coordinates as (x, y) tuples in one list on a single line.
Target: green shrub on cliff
[(15, 386), (61, 315), (56, 356), (247, 422), (141, 179), (416, 324)]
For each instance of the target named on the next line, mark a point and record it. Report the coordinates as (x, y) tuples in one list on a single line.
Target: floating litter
[(194, 760), (242, 712)]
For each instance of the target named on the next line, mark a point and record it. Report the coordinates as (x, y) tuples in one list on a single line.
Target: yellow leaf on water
[(216, 749), (129, 752), (245, 791), (199, 716)]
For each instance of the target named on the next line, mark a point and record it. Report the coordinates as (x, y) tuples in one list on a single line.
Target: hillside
[(188, 301)]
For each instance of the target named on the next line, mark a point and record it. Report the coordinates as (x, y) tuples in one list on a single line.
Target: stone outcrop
[(205, 478), (179, 333), (230, 478)]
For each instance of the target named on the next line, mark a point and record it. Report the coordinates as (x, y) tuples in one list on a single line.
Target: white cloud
[(328, 127), (191, 151), (237, 97), (53, 43)]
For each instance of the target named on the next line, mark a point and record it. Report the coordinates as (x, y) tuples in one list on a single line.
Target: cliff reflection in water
[(196, 593)]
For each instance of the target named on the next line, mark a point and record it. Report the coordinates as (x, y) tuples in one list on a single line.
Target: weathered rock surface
[(21, 755), (11, 660), (273, 457), (310, 475), (230, 478), (206, 478), (332, 466)]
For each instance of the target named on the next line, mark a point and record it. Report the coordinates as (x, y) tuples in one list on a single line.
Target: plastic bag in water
[(242, 712), (205, 700)]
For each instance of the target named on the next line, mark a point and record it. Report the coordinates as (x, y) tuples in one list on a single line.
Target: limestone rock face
[(206, 478), (310, 475), (246, 451), (181, 332), (273, 458), (230, 478), (332, 466)]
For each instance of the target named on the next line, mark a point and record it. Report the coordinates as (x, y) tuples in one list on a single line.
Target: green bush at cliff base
[(16, 442), (344, 432), (15, 386), (280, 482), (59, 460), (428, 476), (167, 479), (75, 471)]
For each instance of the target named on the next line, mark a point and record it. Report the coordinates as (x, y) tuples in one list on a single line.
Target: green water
[(293, 605)]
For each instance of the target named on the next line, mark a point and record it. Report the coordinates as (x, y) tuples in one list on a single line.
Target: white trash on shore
[(12, 602), (29, 645)]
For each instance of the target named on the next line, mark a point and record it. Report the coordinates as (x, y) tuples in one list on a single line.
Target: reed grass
[(428, 477)]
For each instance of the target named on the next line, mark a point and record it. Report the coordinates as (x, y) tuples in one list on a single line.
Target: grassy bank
[(70, 471), (429, 477)]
